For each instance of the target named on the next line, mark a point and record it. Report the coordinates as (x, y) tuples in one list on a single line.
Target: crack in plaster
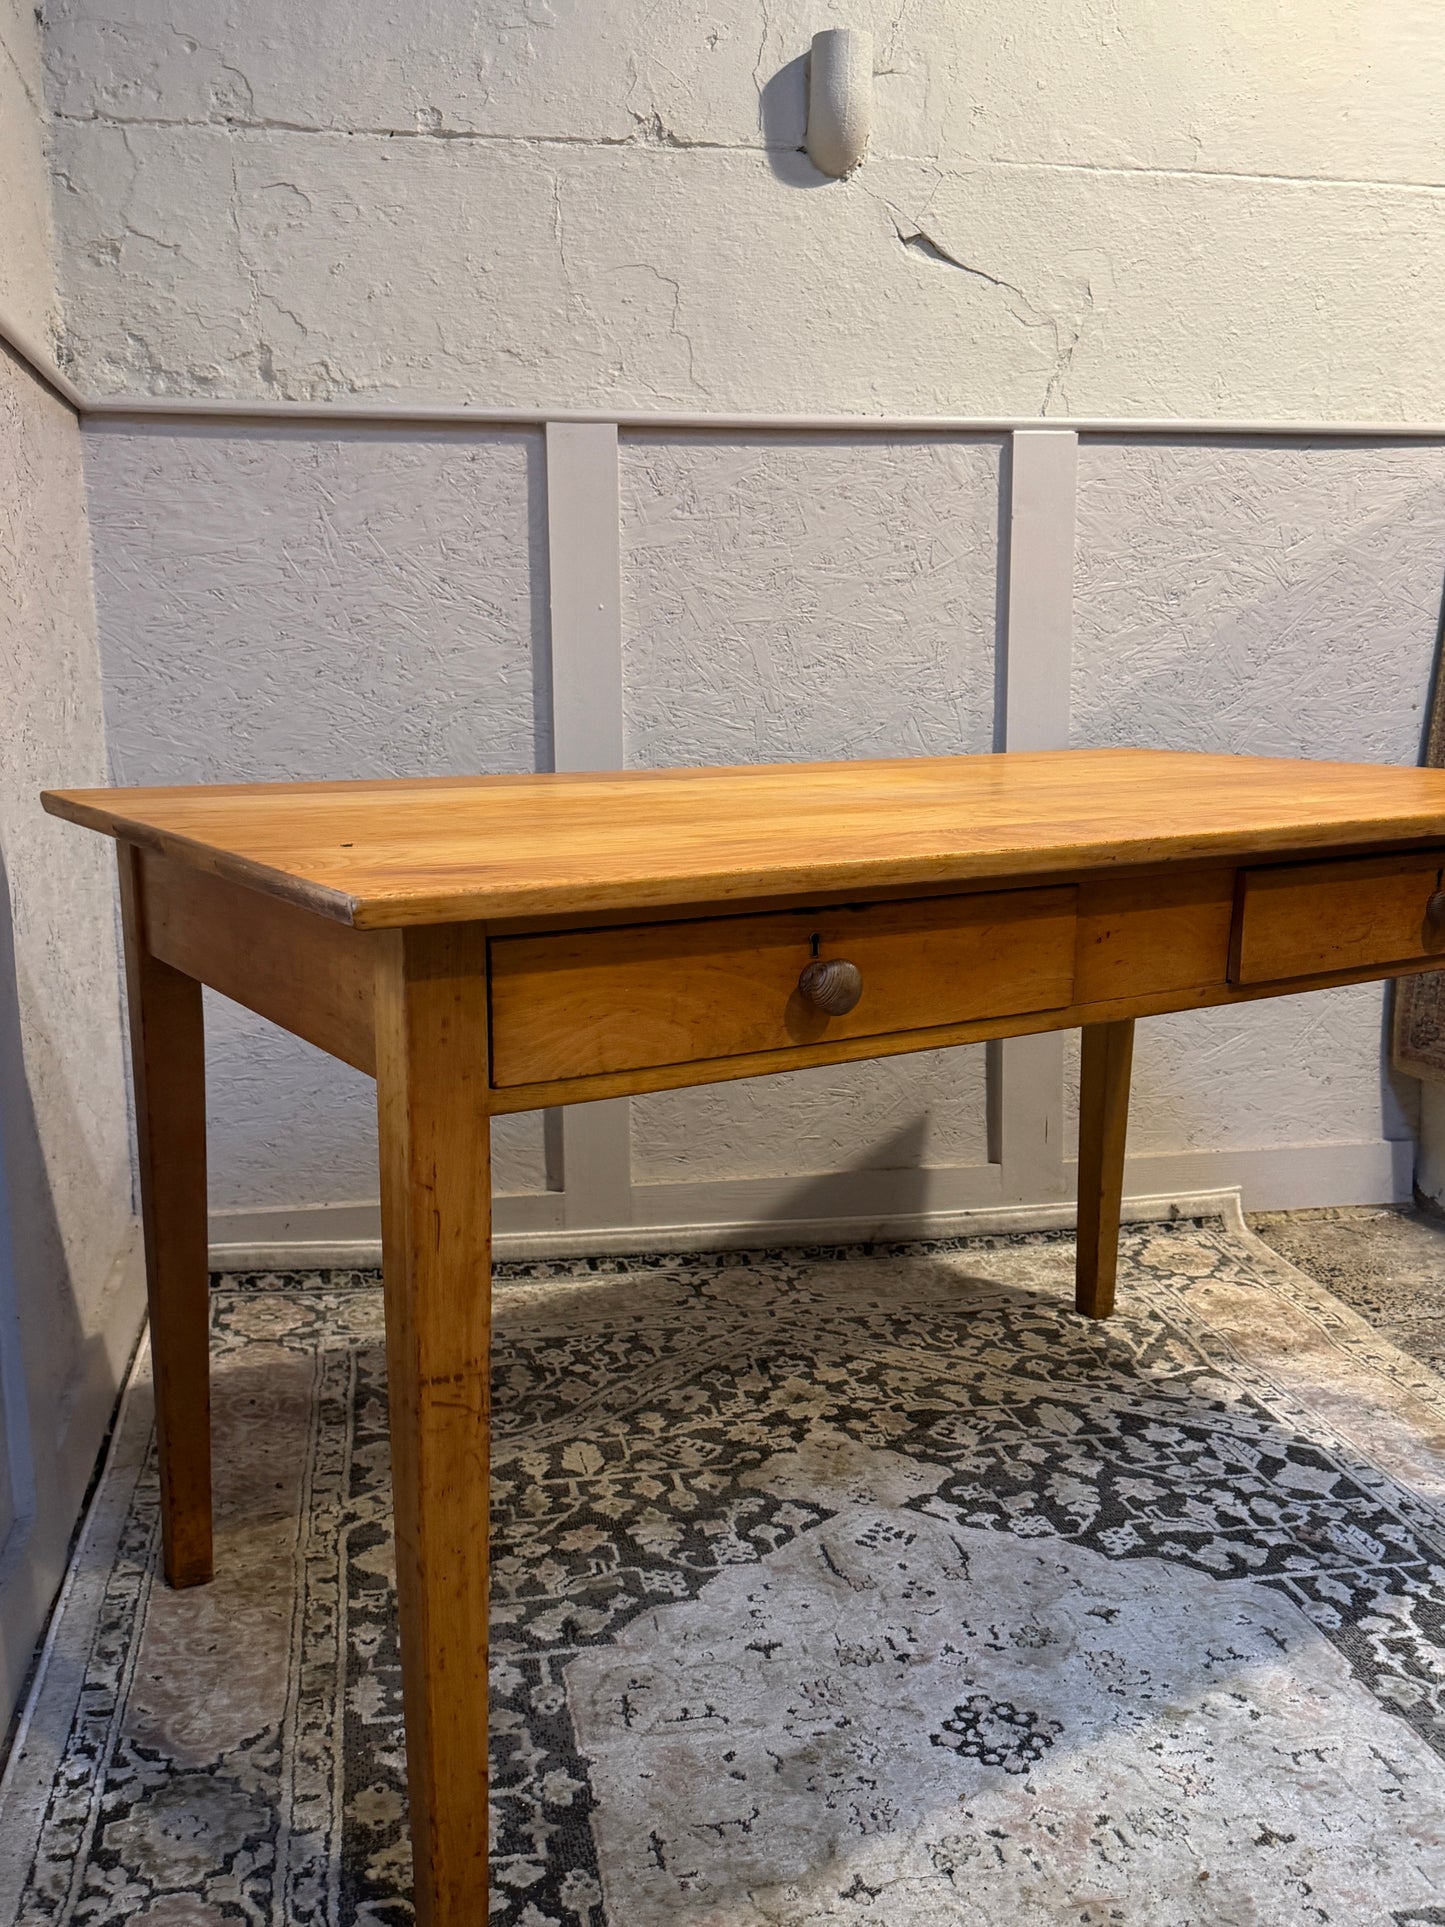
[(652, 132), (36, 105), (1064, 367), (675, 327), (760, 79), (1067, 334), (193, 46), (1263, 179)]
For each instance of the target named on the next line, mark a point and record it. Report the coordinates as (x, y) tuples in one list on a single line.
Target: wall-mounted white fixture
[(840, 98)]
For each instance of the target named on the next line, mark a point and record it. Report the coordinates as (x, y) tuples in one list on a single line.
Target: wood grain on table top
[(445, 849)]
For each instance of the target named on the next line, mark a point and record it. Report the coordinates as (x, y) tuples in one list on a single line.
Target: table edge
[(668, 890)]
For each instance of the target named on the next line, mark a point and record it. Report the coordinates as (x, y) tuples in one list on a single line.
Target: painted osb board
[(278, 606), (894, 1115), (1275, 601), (793, 599), (1291, 1070), (63, 1129), (289, 604), (789, 600), (290, 1126), (71, 1293)]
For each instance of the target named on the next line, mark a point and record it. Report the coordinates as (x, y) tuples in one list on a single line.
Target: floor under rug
[(867, 1587)]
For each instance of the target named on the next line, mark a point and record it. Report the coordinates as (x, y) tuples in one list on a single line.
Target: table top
[(447, 849)]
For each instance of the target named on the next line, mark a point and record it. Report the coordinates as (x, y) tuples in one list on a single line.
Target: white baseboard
[(897, 1205), (982, 1221)]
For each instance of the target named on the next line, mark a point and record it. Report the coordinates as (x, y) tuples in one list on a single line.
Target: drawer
[(1315, 919), (576, 1003)]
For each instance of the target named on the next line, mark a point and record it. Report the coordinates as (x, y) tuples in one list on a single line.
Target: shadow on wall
[(783, 117), (39, 1315), (855, 1190)]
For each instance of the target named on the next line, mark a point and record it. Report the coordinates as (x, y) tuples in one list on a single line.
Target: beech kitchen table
[(490, 944)]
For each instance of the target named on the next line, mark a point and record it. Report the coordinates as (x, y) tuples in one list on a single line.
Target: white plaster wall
[(1101, 207), (71, 1291), (287, 605), (70, 1286), (27, 252), (787, 599), (1278, 601)]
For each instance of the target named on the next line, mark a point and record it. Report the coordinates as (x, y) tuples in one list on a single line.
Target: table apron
[(1144, 946)]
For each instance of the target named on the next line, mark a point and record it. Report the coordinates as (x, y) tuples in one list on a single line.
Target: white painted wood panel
[(1026, 1083), (287, 604), (1275, 601), (791, 598), (894, 1115), (770, 596), (788, 598), (585, 678)]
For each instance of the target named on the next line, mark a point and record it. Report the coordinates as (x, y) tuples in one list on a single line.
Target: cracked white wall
[(27, 249), (70, 1285), (1104, 207)]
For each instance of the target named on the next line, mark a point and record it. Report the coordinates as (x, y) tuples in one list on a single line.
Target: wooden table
[(493, 944)]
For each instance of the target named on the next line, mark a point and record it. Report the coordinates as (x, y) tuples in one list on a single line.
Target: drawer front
[(583, 1002), (1313, 919)]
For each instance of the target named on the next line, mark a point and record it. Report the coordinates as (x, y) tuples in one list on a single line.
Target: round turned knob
[(834, 986), (1435, 922)]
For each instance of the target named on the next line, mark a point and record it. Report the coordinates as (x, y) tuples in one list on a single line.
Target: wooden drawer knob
[(1435, 922), (834, 986)]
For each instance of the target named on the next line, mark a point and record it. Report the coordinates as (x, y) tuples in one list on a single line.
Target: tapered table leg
[(431, 1036), (1108, 1051), (168, 1055)]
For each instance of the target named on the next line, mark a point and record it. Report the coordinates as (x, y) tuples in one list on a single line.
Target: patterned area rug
[(868, 1587)]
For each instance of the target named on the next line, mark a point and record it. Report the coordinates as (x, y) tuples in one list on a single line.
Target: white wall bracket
[(840, 99)]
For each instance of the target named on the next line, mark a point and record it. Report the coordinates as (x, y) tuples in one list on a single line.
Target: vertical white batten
[(1043, 479), (584, 575), (840, 99), (1038, 641)]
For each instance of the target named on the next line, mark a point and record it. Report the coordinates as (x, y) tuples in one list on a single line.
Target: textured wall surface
[(1103, 207), (27, 254), (69, 1280), (787, 600), (1276, 601), (307, 604), (791, 599), (59, 882), (1280, 600), (896, 1114), (286, 605)]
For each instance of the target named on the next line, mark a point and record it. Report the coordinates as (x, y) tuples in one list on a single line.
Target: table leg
[(1103, 1122), (431, 1065), (168, 1055)]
